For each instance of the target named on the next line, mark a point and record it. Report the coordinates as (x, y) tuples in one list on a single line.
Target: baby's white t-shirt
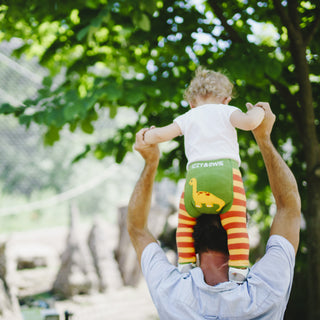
[(209, 134)]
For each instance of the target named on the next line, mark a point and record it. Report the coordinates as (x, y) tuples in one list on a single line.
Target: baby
[(213, 182)]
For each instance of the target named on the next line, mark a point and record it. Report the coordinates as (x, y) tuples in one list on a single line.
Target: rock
[(161, 209), (36, 261), (125, 254), (31, 262), (9, 306), (102, 254), (76, 274)]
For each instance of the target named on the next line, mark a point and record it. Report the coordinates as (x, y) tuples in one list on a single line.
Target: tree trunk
[(313, 223), (311, 148), (312, 210)]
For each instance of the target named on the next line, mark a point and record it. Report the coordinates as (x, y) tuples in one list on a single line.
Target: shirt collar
[(198, 278)]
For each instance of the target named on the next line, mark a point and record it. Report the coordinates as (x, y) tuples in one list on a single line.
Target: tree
[(141, 54)]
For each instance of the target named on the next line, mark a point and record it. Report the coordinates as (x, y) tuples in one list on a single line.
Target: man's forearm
[(139, 207), (282, 181), (140, 201), (286, 222)]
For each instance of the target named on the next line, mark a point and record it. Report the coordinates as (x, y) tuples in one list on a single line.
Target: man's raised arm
[(282, 182), (140, 201)]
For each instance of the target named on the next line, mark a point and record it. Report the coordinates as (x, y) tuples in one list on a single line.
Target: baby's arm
[(247, 121), (163, 134)]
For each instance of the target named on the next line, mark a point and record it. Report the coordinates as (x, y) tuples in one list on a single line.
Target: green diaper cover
[(209, 187)]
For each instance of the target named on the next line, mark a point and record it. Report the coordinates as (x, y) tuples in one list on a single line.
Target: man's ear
[(226, 100)]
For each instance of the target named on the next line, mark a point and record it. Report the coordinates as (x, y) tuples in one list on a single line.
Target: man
[(205, 292)]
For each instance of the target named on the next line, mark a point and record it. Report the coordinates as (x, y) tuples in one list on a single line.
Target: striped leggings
[(233, 221)]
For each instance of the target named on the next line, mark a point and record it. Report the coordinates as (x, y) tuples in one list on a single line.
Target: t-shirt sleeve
[(181, 122), (229, 110), (155, 265), (154, 260), (276, 268)]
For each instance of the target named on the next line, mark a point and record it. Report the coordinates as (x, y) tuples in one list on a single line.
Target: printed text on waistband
[(206, 164)]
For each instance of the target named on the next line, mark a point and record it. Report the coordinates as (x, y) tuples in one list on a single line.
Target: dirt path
[(118, 303), (123, 304)]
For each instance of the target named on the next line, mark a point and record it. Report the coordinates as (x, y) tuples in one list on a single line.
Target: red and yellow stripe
[(184, 236), (235, 223)]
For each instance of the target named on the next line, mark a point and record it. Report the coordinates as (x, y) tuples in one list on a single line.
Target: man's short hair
[(209, 234)]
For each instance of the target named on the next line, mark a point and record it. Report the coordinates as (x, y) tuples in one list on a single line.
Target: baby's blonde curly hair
[(208, 82)]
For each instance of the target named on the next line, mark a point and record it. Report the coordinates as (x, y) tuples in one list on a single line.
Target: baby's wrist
[(144, 135), (258, 106)]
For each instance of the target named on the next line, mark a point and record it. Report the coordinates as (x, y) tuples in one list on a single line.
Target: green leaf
[(99, 154), (273, 68), (152, 91), (134, 96), (92, 4), (87, 126), (82, 155), (113, 92), (141, 21), (113, 111), (121, 152), (54, 117), (51, 136), (149, 6), (7, 108), (73, 126), (96, 22), (47, 81), (71, 111), (25, 120), (83, 33)]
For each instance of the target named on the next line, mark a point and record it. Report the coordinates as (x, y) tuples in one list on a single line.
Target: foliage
[(104, 53), (141, 55)]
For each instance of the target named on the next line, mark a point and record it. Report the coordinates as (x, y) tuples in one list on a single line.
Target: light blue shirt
[(186, 296)]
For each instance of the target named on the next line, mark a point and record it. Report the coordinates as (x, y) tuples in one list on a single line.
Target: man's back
[(187, 296)]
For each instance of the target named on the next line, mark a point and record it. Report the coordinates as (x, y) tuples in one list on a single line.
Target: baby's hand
[(148, 151), (145, 131), (258, 105), (249, 106)]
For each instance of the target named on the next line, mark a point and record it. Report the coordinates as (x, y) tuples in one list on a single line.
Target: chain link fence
[(37, 184)]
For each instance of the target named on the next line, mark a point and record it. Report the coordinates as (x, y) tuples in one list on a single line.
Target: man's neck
[(214, 266)]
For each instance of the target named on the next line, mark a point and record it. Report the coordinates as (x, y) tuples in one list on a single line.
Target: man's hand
[(149, 152), (264, 129)]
